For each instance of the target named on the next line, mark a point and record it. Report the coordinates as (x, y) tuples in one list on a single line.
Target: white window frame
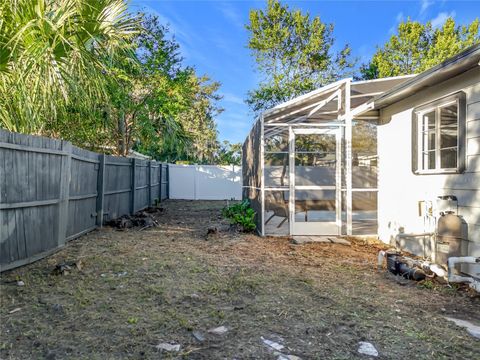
[(436, 106)]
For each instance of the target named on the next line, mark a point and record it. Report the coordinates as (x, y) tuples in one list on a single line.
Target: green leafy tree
[(417, 47), (158, 106), (147, 97), (53, 56), (198, 119), (229, 154), (293, 53)]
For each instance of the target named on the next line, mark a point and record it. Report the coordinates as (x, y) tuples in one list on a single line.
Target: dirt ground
[(171, 284)]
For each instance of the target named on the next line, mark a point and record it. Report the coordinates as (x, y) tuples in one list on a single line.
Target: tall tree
[(161, 107), (293, 53), (229, 154), (416, 47), (198, 119), (146, 97)]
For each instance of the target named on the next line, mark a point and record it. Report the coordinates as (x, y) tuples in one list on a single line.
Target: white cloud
[(425, 4), (232, 98), (230, 13), (441, 18), (399, 17)]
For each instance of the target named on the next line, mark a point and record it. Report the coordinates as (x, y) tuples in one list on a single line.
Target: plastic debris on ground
[(168, 347), (366, 348)]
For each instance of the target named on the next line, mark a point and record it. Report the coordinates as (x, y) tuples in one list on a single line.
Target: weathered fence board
[(164, 188), (82, 205), (52, 192)]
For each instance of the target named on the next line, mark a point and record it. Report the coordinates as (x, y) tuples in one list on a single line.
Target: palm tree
[(55, 54)]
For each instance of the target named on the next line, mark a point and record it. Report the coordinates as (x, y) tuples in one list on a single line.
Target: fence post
[(167, 167), (160, 170), (134, 185), (149, 183), (161, 177), (195, 182), (100, 189), (65, 175)]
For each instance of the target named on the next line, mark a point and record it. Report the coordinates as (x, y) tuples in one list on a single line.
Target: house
[(308, 165)]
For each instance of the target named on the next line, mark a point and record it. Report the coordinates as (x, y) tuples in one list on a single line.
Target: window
[(438, 136)]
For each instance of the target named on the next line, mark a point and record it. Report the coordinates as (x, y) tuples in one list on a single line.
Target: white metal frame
[(262, 174), (348, 157), (420, 139), (322, 227), (295, 115)]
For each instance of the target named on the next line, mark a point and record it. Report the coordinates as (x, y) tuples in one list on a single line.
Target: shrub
[(242, 215)]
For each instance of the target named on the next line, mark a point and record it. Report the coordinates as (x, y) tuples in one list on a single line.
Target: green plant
[(54, 56), (427, 284), (241, 214), (132, 320)]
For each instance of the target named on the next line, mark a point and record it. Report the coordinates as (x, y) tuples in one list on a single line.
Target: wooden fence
[(52, 192)]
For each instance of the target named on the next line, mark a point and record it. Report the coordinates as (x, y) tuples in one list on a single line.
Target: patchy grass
[(137, 289)]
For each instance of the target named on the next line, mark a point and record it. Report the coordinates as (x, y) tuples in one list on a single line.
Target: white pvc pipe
[(381, 256), (452, 261), (401, 235)]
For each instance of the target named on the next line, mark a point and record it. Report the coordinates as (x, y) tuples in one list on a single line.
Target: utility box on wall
[(451, 239), (447, 204)]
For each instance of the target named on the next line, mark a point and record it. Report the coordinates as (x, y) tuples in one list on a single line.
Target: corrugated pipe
[(452, 261)]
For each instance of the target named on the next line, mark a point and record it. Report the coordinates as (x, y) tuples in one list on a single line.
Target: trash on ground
[(288, 357), (67, 267), (14, 310), (472, 329), (366, 348), (438, 270), (168, 347), (20, 283), (141, 219), (57, 307), (218, 330), (272, 344), (211, 231), (198, 336)]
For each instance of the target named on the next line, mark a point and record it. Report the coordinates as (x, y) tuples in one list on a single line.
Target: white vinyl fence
[(205, 182)]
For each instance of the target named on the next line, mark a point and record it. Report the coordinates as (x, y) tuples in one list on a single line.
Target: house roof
[(304, 107), (456, 65)]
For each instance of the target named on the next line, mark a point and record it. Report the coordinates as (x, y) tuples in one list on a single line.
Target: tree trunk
[(122, 134)]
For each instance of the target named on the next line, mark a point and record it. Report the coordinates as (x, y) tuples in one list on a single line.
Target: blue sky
[(213, 38)]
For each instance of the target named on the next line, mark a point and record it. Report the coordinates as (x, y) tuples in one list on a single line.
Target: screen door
[(315, 181)]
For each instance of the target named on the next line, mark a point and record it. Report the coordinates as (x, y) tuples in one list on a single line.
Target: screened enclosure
[(310, 164)]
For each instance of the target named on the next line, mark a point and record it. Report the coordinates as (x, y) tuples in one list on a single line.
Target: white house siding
[(400, 190)]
